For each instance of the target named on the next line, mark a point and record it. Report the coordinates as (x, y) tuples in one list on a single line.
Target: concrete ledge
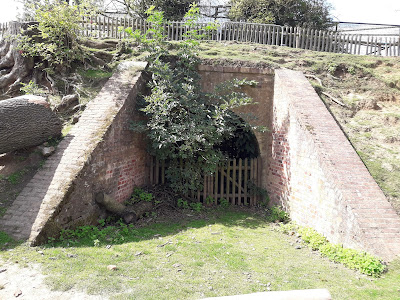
[(316, 294), (228, 69)]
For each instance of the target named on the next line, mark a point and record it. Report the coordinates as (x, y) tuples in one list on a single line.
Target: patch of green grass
[(230, 253), (5, 239), (16, 177), (388, 181), (66, 129), (2, 211)]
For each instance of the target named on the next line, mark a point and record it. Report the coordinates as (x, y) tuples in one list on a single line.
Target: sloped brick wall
[(100, 154), (318, 177)]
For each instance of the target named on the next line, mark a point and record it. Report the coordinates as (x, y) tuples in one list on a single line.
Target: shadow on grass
[(7, 242), (117, 233)]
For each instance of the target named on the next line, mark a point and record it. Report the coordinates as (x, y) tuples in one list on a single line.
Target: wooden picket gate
[(236, 181)]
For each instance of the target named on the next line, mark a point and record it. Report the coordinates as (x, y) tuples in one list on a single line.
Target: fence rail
[(294, 37), (235, 181)]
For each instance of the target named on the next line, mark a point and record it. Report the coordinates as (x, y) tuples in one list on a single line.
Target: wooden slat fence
[(331, 41), (295, 37), (3, 28), (234, 181)]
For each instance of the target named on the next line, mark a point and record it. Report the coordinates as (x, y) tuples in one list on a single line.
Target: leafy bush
[(254, 189), (310, 13), (55, 37), (224, 203), (196, 206), (31, 88), (182, 203), (139, 195), (289, 227), (185, 126)]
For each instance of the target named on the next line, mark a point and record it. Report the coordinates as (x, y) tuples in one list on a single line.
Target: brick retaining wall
[(310, 168), (318, 177), (99, 154)]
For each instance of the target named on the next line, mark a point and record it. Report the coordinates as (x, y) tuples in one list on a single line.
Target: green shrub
[(185, 126), (276, 214), (16, 177), (139, 195), (182, 203), (196, 206), (289, 227), (31, 88), (55, 38), (311, 237), (91, 235), (224, 203), (353, 259)]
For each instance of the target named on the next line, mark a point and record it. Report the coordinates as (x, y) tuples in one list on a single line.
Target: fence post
[(398, 46), (323, 45), (246, 178), (380, 46), (234, 182), (239, 202), (386, 47), (228, 175)]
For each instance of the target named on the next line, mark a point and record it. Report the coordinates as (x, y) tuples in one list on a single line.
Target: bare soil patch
[(28, 283)]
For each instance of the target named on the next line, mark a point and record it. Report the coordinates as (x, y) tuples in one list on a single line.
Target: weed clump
[(276, 214), (108, 231), (351, 258)]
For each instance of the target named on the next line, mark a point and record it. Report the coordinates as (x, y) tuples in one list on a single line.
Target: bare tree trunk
[(26, 121)]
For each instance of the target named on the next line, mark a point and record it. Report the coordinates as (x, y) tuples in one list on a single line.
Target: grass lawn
[(226, 253)]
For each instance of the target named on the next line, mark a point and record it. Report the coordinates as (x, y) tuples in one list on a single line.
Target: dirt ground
[(28, 283)]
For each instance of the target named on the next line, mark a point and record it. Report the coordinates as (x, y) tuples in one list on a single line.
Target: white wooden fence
[(295, 37)]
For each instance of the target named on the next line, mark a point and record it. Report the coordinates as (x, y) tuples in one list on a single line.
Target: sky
[(366, 11)]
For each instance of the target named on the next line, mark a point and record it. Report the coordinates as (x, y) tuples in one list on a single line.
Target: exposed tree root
[(334, 99), (315, 78), (14, 67)]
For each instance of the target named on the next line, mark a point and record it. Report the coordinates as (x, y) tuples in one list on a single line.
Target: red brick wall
[(100, 154), (317, 176), (259, 113)]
